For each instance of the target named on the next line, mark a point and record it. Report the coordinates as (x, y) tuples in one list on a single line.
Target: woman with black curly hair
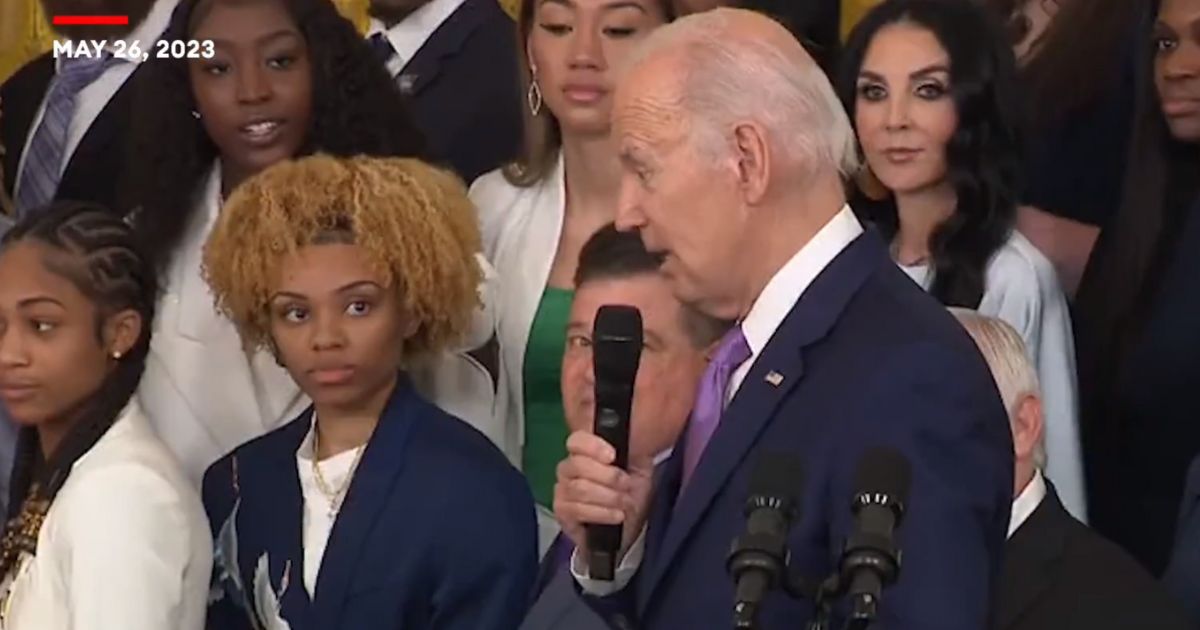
[(373, 508), (288, 78), (931, 88)]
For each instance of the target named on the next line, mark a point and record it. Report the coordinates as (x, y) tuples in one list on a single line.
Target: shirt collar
[(1027, 502), (144, 34), (790, 282), (408, 35)]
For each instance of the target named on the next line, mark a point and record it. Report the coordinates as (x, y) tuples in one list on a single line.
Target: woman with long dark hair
[(287, 78), (931, 88), (104, 530), (1138, 306)]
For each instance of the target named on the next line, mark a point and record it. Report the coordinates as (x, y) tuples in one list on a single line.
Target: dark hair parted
[(414, 223), (95, 250), (610, 253), (614, 255), (357, 110), (983, 155), (541, 136)]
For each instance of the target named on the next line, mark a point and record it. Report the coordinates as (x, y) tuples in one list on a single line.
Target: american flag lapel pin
[(774, 378)]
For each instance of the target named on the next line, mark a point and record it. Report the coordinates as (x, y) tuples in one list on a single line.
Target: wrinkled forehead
[(649, 108)]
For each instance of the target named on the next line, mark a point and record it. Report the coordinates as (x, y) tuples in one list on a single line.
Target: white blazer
[(521, 229), (1023, 290), (125, 544), (204, 395)]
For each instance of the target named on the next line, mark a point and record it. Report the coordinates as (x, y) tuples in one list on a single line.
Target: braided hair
[(107, 267)]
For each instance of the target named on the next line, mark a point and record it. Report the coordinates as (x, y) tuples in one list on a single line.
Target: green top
[(545, 422)]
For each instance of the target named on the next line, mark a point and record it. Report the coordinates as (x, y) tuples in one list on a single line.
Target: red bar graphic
[(91, 20)]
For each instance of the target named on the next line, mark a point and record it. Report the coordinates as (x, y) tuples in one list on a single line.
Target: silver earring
[(195, 114), (534, 97)]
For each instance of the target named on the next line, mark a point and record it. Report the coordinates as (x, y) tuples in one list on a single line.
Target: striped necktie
[(44, 163)]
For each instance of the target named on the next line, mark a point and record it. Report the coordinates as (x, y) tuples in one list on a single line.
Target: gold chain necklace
[(335, 498)]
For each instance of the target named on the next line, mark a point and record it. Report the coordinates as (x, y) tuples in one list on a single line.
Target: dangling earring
[(195, 114), (534, 97)]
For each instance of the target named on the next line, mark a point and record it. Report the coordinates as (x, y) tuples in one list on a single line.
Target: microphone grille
[(884, 470), (777, 478)]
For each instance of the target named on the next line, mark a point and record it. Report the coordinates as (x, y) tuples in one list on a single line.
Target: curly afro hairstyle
[(414, 222), (357, 110)]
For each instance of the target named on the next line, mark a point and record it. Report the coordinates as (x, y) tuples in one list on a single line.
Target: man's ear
[(1027, 426), (121, 331), (753, 160)]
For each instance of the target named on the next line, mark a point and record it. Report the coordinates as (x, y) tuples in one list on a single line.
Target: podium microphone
[(616, 352), (871, 559), (758, 561)]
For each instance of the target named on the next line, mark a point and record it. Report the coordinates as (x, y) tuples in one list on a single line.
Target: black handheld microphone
[(616, 351), (871, 559), (759, 557)]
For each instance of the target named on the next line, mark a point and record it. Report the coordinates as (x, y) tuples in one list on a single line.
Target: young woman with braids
[(289, 77), (373, 508), (931, 88), (104, 529)]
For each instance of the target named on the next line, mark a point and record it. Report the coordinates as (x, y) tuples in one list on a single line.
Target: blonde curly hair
[(414, 223)]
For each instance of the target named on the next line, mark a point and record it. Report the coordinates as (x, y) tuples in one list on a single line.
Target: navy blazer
[(864, 358), (1183, 567), (96, 166), (464, 92), (436, 531)]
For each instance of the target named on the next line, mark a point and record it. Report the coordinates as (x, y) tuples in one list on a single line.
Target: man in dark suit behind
[(733, 171), (456, 62), (65, 123), (1058, 574), (615, 268), (65, 120), (1182, 577)]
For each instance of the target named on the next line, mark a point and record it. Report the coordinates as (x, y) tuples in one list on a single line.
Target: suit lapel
[(776, 372), (443, 44), (272, 515), (99, 143), (1031, 558), (22, 96), (381, 465)]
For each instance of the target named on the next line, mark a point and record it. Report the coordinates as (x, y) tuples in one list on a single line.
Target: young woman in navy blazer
[(373, 508)]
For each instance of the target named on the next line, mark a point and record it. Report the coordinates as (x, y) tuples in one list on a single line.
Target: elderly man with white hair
[(1058, 574), (734, 149)]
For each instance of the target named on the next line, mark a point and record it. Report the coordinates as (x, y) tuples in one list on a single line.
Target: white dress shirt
[(125, 545), (92, 99), (1022, 289), (1026, 502), (768, 312), (336, 471), (408, 35)]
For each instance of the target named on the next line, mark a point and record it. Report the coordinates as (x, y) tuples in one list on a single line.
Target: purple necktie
[(710, 400)]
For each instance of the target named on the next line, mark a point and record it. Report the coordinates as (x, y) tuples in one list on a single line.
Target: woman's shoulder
[(129, 448), (459, 450), (1018, 266), (131, 475)]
